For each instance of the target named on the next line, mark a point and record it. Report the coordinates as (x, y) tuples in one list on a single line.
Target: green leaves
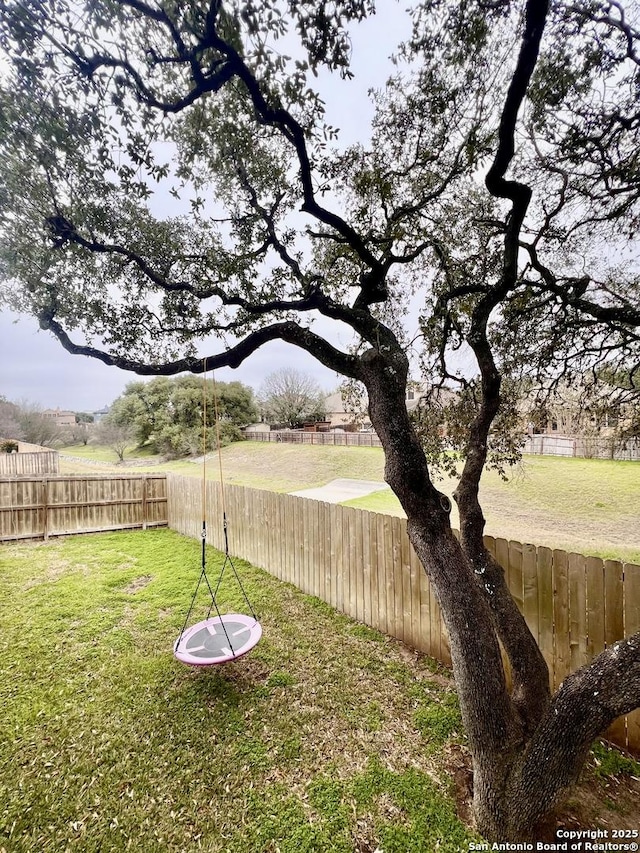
[(185, 146), (170, 413)]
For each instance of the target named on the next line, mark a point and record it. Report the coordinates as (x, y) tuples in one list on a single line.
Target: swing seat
[(218, 639)]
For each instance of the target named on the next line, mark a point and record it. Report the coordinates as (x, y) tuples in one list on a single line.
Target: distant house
[(59, 417), (338, 416), (569, 413)]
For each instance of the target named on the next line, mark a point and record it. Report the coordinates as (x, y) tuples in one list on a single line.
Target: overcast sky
[(34, 368)]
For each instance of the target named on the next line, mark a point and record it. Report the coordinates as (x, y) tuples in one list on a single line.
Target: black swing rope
[(227, 557)]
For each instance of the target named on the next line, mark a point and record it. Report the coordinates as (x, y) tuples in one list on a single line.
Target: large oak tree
[(499, 186)]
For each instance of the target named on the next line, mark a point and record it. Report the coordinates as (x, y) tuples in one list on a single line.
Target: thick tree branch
[(290, 332), (531, 680), (292, 130), (530, 672), (518, 193), (588, 701)]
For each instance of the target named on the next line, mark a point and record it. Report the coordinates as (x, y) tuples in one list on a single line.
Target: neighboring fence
[(339, 439), (39, 507), (25, 464), (29, 459), (545, 445), (586, 447), (27, 447), (363, 564)]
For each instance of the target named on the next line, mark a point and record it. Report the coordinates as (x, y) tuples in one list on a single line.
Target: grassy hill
[(590, 506)]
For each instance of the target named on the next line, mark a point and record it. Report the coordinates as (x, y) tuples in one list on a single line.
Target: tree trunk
[(493, 728), (527, 748)]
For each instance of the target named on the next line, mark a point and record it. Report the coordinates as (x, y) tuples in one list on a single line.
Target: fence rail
[(362, 563), (39, 507), (338, 439)]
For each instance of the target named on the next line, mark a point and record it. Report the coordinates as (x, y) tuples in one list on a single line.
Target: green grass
[(591, 506), (327, 738), (610, 762), (313, 742), (585, 505), (277, 467), (101, 453)]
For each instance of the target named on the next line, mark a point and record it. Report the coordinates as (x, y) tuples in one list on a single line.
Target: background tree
[(36, 428), (9, 423), (290, 397), (105, 101), (80, 433), (118, 437), (168, 413), (26, 421)]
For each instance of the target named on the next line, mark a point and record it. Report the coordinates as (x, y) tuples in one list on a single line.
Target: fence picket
[(530, 591), (351, 599), (375, 582), (383, 624), (594, 571), (340, 560), (632, 626), (407, 589), (561, 617), (388, 573), (336, 542), (546, 633), (614, 628), (367, 609), (515, 576), (577, 610), (357, 569), (398, 578)]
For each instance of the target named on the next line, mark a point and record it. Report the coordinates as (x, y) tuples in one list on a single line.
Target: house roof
[(59, 413)]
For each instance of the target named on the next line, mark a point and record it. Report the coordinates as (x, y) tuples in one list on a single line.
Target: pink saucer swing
[(219, 638)]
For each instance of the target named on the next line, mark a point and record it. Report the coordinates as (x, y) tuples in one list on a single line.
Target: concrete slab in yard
[(338, 491)]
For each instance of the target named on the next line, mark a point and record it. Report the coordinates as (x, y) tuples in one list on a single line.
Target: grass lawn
[(327, 737), (591, 506), (102, 454), (323, 739), (276, 467)]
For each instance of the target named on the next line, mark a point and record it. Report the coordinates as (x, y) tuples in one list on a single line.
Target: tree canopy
[(178, 416), (497, 189), (289, 397)]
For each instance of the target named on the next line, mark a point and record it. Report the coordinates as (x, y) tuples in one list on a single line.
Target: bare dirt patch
[(137, 584), (53, 571), (597, 802)]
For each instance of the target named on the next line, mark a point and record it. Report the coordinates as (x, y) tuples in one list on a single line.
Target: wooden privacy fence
[(362, 563), (39, 507)]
